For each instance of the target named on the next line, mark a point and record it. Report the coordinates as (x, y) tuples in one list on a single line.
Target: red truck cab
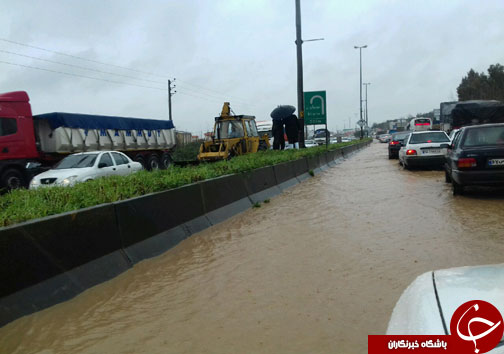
[(17, 139)]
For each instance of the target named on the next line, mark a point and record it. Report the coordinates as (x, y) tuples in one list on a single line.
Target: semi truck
[(446, 111), (477, 112), (30, 144)]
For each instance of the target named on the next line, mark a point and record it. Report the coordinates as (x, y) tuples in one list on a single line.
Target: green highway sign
[(315, 111)]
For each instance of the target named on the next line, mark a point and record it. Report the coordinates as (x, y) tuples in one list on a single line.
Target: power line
[(82, 76), (214, 91), (79, 67), (211, 98), (108, 64), (80, 58), (98, 71), (206, 94)]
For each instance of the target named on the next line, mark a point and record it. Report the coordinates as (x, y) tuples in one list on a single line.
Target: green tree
[(496, 81), (480, 86)]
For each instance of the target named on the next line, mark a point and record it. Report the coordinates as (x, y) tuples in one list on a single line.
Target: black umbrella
[(282, 112)]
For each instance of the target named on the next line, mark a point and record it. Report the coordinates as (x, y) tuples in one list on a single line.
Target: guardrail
[(50, 260)]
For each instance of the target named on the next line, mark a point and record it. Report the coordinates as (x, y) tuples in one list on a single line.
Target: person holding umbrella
[(278, 134), (292, 130), (280, 115)]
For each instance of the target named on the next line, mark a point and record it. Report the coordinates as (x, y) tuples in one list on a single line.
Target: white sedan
[(84, 167), (426, 148), (310, 143)]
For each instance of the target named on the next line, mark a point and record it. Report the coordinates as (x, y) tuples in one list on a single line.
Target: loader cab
[(233, 135), (229, 129), (239, 130)]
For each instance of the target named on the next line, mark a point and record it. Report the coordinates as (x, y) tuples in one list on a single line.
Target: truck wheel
[(166, 161), (12, 179), (153, 162), (140, 158)]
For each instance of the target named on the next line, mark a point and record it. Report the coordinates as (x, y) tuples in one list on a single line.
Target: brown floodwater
[(314, 271)]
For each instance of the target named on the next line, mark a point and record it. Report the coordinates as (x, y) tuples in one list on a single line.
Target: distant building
[(183, 138)]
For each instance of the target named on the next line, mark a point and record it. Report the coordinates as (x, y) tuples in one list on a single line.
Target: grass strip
[(22, 205)]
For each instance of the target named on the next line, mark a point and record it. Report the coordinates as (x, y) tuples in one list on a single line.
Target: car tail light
[(394, 143), (466, 162), (422, 123), (411, 152)]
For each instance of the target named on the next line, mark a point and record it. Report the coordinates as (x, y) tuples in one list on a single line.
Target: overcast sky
[(243, 51)]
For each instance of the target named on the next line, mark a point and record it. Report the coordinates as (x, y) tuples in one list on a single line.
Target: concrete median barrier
[(261, 184), (224, 197), (144, 217), (313, 163), (301, 168), (323, 161), (285, 174), (284, 171), (50, 260)]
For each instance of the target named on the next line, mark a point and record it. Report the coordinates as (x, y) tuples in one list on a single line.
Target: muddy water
[(314, 271)]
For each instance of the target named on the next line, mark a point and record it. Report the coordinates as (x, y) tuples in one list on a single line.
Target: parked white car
[(429, 302), (84, 167), (427, 149)]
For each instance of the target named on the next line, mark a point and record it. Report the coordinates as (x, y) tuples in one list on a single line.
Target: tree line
[(482, 86)]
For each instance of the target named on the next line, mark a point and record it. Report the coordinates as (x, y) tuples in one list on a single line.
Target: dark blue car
[(476, 157)]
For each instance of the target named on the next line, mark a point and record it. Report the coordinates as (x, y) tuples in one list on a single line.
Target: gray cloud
[(244, 52)]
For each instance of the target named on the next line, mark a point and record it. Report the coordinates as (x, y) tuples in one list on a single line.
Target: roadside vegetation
[(22, 205), (187, 152)]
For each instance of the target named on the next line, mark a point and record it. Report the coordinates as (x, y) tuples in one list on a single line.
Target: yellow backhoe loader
[(233, 136)]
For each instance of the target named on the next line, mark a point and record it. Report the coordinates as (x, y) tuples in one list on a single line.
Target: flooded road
[(314, 271)]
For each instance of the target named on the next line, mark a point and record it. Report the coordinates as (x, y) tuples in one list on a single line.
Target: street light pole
[(300, 95), (170, 94), (300, 99), (367, 115), (360, 86)]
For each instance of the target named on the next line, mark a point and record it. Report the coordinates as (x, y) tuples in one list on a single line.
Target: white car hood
[(417, 310), (458, 285), (64, 173)]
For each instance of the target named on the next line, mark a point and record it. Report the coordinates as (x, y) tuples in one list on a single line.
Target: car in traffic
[(310, 143), (476, 157), (453, 134), (395, 143), (428, 304), (86, 166), (424, 149), (384, 138)]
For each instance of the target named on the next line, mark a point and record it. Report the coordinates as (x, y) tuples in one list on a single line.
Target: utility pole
[(300, 98), (170, 94), (367, 116), (360, 86)]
